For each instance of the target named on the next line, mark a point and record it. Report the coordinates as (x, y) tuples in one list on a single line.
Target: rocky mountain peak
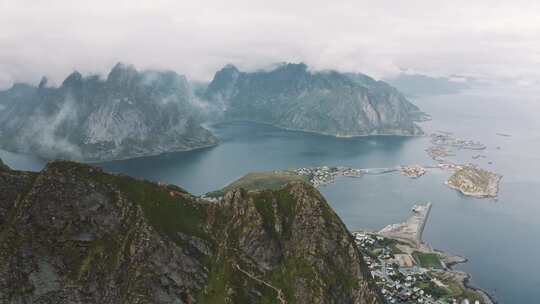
[(122, 74), (43, 82), (85, 236), (328, 102), (75, 79)]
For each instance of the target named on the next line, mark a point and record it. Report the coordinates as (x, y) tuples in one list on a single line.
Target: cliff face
[(74, 234), (324, 102), (127, 115)]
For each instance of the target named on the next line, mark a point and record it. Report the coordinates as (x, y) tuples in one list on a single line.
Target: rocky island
[(75, 234), (474, 181), (413, 171)]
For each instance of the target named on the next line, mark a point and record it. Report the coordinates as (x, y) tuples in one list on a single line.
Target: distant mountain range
[(127, 115), (292, 97), (422, 85), (131, 113)]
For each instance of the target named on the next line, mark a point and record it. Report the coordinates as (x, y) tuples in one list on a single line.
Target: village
[(409, 271), (445, 139), (325, 175), (400, 277)]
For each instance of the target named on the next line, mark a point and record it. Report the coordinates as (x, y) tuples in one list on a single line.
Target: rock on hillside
[(293, 97), (3, 166), (74, 234), (129, 114)]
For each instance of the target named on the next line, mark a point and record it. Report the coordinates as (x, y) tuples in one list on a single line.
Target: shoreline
[(97, 162), (410, 233), (422, 134)]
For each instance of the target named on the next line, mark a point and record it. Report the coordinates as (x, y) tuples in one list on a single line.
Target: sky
[(481, 38)]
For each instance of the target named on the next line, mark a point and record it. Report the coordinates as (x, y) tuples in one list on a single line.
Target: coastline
[(410, 234), (421, 134), (97, 162)]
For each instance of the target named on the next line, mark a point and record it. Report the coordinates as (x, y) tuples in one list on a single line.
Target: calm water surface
[(499, 237)]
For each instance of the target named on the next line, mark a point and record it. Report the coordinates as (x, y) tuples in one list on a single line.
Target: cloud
[(41, 131), (486, 38)]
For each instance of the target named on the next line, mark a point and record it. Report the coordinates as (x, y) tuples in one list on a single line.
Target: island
[(413, 171), (446, 139), (473, 181), (439, 153)]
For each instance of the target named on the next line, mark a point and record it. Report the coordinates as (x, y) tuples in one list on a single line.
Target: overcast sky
[(488, 38)]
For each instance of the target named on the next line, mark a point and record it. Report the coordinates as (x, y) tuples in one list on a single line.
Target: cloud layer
[(485, 38)]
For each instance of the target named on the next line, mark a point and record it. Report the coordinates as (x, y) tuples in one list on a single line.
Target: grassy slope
[(165, 205), (260, 181), (427, 260)]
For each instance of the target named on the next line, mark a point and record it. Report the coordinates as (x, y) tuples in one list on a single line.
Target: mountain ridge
[(327, 102), (130, 114), (127, 115), (73, 233)]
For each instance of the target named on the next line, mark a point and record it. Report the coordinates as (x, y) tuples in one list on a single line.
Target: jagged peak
[(230, 66), (122, 72), (43, 82), (73, 79)]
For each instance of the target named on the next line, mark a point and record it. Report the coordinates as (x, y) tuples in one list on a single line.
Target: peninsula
[(408, 270)]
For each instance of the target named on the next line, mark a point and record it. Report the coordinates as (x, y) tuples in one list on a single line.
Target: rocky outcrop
[(129, 114), (74, 234), (473, 181), (3, 166), (293, 97)]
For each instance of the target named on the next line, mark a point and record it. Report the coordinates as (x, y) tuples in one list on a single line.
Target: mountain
[(74, 234), (292, 97), (128, 114), (422, 85)]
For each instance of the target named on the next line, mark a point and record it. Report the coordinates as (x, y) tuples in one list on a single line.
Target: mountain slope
[(332, 103), (74, 234), (127, 115)]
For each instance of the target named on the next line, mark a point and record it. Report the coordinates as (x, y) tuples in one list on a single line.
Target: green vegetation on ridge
[(260, 181)]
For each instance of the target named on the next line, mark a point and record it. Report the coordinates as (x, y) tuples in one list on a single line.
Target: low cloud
[(491, 39), (41, 132)]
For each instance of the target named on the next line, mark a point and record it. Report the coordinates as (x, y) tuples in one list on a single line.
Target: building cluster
[(398, 282), (438, 153), (447, 140), (413, 171), (326, 175)]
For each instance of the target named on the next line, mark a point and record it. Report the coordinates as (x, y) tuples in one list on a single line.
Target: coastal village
[(324, 175), (409, 271)]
